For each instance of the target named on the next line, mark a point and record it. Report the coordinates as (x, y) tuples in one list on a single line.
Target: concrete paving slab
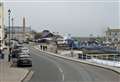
[(9, 74)]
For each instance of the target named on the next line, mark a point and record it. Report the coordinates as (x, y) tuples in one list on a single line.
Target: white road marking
[(60, 69), (63, 77)]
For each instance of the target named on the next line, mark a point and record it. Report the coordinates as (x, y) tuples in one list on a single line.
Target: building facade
[(1, 25), (113, 35)]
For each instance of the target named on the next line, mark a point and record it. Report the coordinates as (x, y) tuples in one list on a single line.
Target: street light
[(12, 27), (9, 13), (72, 50)]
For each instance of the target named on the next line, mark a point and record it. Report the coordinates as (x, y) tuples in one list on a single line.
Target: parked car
[(25, 50), (24, 60), (20, 42), (27, 42)]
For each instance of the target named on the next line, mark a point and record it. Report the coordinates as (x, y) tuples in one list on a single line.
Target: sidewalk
[(11, 74)]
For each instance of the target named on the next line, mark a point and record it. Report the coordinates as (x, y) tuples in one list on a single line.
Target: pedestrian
[(10, 49), (41, 47), (46, 47), (1, 54)]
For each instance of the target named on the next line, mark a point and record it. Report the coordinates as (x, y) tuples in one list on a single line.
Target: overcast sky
[(75, 17)]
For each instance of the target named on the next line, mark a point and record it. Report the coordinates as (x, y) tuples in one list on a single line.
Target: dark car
[(24, 60), (27, 42)]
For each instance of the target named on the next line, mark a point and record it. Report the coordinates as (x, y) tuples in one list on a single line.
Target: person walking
[(41, 47), (1, 54), (46, 47)]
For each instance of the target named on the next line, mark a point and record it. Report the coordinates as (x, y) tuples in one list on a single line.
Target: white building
[(113, 35), (16, 32), (1, 26)]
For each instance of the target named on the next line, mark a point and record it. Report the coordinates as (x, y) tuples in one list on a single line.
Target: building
[(20, 33), (113, 35), (85, 39), (1, 25), (17, 33)]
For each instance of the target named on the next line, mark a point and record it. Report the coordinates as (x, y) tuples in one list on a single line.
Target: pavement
[(49, 68), (11, 74)]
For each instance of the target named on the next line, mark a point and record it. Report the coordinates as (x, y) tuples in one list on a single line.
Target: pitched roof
[(46, 34)]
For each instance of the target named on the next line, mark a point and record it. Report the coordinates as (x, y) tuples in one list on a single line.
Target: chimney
[(24, 25)]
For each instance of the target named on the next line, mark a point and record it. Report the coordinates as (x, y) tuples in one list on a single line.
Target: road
[(48, 68)]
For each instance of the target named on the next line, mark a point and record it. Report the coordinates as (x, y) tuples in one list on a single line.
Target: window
[(115, 33), (110, 39), (115, 39), (110, 33)]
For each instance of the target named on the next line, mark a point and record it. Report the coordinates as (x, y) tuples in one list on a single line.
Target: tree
[(37, 35)]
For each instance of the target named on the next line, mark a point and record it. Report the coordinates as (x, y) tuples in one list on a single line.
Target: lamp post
[(72, 50), (56, 43), (9, 13), (12, 27)]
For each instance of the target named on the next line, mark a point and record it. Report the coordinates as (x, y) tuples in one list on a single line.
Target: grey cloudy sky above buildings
[(75, 17)]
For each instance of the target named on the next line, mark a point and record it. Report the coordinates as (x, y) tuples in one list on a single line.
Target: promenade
[(11, 74)]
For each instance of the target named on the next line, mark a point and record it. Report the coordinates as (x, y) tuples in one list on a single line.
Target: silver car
[(25, 50)]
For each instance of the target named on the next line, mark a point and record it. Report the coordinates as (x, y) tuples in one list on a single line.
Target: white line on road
[(60, 69), (63, 77)]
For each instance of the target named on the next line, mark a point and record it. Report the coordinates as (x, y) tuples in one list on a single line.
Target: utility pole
[(9, 13)]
